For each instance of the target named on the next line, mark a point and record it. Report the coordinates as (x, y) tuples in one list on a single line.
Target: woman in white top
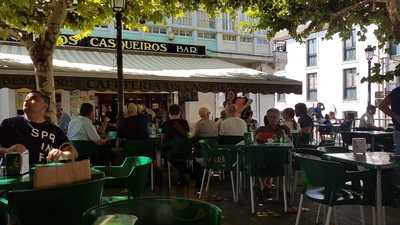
[(288, 117)]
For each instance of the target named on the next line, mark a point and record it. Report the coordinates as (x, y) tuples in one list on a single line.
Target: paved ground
[(271, 213)]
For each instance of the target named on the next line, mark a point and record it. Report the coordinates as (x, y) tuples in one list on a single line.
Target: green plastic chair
[(160, 211), (266, 161), (216, 159), (229, 140), (132, 175), (309, 151), (145, 147), (325, 183), (86, 149), (139, 148), (327, 143), (178, 150), (61, 205)]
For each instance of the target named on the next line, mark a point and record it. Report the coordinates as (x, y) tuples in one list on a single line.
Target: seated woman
[(272, 131)]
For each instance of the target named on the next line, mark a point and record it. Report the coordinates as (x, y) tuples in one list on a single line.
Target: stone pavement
[(271, 212)]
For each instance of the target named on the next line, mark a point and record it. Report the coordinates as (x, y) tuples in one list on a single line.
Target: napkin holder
[(17, 163), (359, 146)]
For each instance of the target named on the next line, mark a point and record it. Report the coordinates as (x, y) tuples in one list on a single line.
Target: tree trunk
[(42, 59), (41, 52), (393, 8)]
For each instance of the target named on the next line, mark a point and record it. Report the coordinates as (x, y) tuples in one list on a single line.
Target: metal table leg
[(379, 196), (237, 176), (372, 143)]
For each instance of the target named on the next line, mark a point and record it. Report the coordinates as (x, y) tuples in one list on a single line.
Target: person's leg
[(181, 168), (396, 141)]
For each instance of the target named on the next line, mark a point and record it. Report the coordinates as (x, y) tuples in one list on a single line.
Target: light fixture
[(118, 5), (369, 52)]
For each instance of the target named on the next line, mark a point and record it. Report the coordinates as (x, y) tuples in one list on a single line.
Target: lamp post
[(369, 54), (118, 7)]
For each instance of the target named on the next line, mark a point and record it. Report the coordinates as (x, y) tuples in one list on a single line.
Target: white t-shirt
[(232, 126), (367, 120)]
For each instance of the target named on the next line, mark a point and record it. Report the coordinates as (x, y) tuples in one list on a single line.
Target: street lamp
[(118, 7), (369, 55)]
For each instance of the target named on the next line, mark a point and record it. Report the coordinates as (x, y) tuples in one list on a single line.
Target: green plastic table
[(284, 146), (159, 211), (372, 160), (370, 135)]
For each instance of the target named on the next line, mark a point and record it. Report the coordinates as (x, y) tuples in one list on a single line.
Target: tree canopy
[(37, 23), (334, 16)]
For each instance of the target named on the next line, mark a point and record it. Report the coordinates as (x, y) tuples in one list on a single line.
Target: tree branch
[(393, 9), (13, 32), (355, 6), (56, 19)]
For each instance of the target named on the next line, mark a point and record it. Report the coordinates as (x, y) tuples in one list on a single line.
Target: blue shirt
[(82, 129), (394, 97)]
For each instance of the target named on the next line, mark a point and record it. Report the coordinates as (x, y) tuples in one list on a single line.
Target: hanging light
[(118, 5), (369, 52)]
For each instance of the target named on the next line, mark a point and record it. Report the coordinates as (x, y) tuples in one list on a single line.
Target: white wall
[(7, 103), (192, 108), (329, 69), (214, 103), (66, 101)]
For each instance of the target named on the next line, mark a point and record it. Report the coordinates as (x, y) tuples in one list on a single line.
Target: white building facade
[(331, 72)]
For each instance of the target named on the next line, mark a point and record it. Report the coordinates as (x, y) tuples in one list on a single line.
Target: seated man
[(176, 143), (81, 128), (134, 126), (205, 127), (367, 120), (44, 140), (232, 125)]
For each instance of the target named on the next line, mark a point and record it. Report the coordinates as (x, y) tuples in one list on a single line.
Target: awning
[(89, 69)]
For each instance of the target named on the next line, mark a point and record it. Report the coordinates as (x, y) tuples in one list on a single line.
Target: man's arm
[(93, 135), (69, 151), (384, 107), (65, 152)]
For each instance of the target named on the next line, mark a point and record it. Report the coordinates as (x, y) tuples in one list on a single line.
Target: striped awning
[(150, 72)]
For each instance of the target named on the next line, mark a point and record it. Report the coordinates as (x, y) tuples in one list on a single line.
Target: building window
[(312, 52), (126, 27), (102, 26), (349, 84), (349, 48), (312, 90), (185, 20), (246, 39), (206, 35), (158, 30), (182, 32), (261, 41), (227, 37), (228, 24), (280, 97), (204, 20)]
